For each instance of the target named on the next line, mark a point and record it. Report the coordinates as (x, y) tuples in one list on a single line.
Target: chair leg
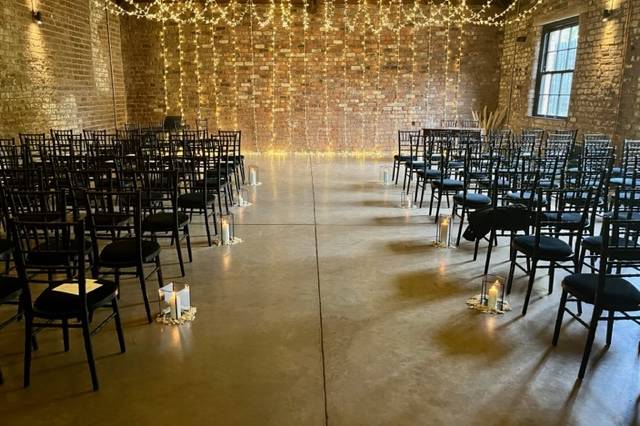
[(556, 331), (583, 254), (590, 338), (143, 288), (159, 272), (464, 209), (65, 334), (512, 269), (28, 334), (176, 236), (433, 194), (475, 251), (188, 236), (532, 278), (487, 261), (610, 327), (424, 188), (438, 206), (552, 275), (86, 333), (206, 226), (118, 322)]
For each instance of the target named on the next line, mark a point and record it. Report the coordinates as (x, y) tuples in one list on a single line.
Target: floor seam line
[(315, 229)]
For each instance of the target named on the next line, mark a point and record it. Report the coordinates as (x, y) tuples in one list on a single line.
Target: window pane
[(543, 104), (553, 41), (565, 35), (565, 88), (573, 40), (561, 60), (551, 62), (563, 106), (545, 85), (556, 79), (571, 59), (553, 106)]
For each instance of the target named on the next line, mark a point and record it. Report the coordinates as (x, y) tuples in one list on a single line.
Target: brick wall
[(57, 75), (353, 101), (604, 95)]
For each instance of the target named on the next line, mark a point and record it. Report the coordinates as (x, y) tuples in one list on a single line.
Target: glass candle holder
[(242, 197), (493, 292), (405, 200), (227, 229), (253, 175), (443, 231), (385, 175)]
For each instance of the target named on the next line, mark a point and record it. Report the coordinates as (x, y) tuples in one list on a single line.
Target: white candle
[(385, 176), (444, 231), (226, 239), (173, 305), (240, 199), (492, 302), (253, 177)]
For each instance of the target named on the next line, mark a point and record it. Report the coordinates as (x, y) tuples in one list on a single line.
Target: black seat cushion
[(594, 244), (524, 197), (402, 158), (10, 288), (549, 249), (54, 304), (163, 221), (195, 200), (415, 164), (473, 199), (124, 253), (618, 295), (448, 184), (428, 173)]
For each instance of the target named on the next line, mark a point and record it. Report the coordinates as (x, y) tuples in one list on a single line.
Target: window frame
[(542, 60)]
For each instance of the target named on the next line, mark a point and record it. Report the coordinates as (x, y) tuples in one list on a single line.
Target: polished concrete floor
[(336, 309)]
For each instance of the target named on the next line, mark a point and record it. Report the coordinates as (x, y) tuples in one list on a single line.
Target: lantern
[(405, 200), (385, 175), (492, 292), (227, 229), (443, 231), (253, 176), (243, 198), (174, 300)]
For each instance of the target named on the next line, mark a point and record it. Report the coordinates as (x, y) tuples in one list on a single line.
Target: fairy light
[(165, 66), (273, 75), (413, 70), (198, 66), (459, 68), (287, 24), (326, 27), (305, 27), (429, 44), (376, 124), (234, 48), (253, 77), (181, 71), (396, 81), (363, 91), (214, 76), (446, 69), (190, 11), (345, 98)]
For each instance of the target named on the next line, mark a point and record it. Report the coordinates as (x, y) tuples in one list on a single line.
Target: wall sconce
[(36, 15)]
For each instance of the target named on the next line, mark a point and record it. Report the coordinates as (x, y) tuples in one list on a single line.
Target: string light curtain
[(360, 22)]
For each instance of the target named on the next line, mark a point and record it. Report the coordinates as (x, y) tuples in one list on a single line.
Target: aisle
[(336, 308)]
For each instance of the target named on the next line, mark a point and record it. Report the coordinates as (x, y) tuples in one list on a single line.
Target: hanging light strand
[(197, 69), (165, 67), (253, 79), (181, 71), (214, 76)]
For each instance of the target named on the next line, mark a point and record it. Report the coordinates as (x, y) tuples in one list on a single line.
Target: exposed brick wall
[(354, 102), (604, 95), (57, 75)]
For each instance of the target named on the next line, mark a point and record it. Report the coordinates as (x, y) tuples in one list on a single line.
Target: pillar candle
[(493, 297), (253, 177), (226, 239)]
